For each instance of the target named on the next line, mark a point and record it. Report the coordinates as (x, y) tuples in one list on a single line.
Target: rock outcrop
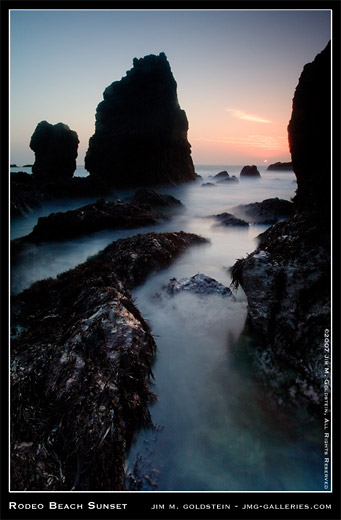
[(80, 366), (221, 175), (200, 284), (141, 132), (309, 132), (153, 199), (287, 278), (278, 166), (268, 212), (55, 148), (250, 171), (226, 219)]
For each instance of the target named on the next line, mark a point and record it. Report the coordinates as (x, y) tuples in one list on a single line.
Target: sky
[(236, 72)]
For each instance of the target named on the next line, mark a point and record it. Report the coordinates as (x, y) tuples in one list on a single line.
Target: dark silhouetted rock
[(27, 165), (150, 197), (25, 193), (199, 284), (250, 171), (55, 148), (13, 166), (81, 360), (309, 134), (141, 133), (278, 166), (226, 219), (221, 175), (269, 211)]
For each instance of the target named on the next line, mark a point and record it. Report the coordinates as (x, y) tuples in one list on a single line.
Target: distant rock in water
[(208, 185), (309, 134), (81, 358), (228, 180), (13, 166), (150, 197), (226, 219), (269, 211), (55, 148), (250, 171), (278, 166), (199, 284), (141, 132), (222, 175)]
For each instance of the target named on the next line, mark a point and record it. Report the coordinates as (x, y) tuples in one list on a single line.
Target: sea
[(214, 429)]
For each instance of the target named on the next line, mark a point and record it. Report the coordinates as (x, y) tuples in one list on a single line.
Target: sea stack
[(310, 134), (55, 148), (140, 137)]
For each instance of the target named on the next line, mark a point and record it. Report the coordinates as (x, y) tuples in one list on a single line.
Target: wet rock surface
[(56, 149), (269, 211), (80, 366), (141, 132), (250, 171), (200, 284)]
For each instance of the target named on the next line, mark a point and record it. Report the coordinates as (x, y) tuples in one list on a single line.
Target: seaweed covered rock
[(55, 148), (250, 171), (268, 212), (80, 366), (140, 137), (309, 134)]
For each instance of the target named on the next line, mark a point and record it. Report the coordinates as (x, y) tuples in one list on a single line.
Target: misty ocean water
[(214, 428)]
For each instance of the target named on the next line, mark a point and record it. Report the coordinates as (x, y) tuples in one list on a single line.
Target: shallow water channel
[(214, 428)]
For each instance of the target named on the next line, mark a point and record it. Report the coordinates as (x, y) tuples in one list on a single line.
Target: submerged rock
[(208, 185), (268, 212), (250, 171), (141, 132), (228, 180), (199, 284), (280, 166), (226, 219), (55, 148), (150, 197), (81, 359)]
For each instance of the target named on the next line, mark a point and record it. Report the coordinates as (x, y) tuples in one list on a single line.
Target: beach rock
[(141, 132), (221, 175), (287, 279), (25, 193), (267, 212), (208, 185), (55, 148), (250, 171), (81, 358), (87, 219), (150, 197), (199, 284), (278, 166), (226, 219), (228, 180), (309, 134)]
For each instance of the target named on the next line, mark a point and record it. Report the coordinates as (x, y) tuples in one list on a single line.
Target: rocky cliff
[(55, 148), (287, 278), (141, 132)]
